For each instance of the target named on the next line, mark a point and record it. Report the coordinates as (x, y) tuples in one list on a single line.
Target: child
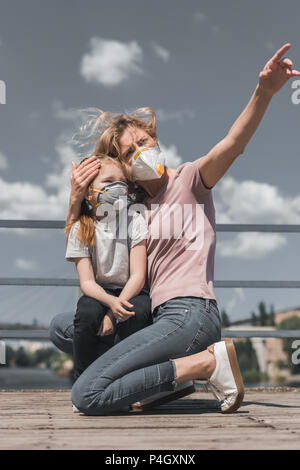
[(111, 270)]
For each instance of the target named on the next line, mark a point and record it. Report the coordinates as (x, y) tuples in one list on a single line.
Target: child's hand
[(107, 326), (116, 305)]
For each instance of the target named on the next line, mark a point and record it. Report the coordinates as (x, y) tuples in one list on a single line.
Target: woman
[(183, 343)]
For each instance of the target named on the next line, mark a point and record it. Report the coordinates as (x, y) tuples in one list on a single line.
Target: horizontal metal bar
[(32, 223), (32, 281), (259, 284), (54, 224), (43, 335), (261, 333), (258, 228)]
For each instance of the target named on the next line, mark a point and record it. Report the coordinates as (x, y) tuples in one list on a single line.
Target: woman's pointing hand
[(277, 72)]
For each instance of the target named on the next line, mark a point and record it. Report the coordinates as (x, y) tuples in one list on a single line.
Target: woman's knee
[(61, 331), (54, 328), (87, 401)]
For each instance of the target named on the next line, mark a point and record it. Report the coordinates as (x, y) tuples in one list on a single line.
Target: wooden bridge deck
[(43, 419)]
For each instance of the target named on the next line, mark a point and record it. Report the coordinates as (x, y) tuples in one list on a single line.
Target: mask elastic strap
[(139, 152), (97, 191)]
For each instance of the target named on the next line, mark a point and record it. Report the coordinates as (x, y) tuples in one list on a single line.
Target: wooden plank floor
[(43, 419)]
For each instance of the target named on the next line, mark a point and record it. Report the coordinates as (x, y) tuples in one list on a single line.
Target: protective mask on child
[(112, 194), (147, 163)]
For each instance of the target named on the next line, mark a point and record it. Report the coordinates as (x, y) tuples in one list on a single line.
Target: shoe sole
[(237, 377), (161, 401)]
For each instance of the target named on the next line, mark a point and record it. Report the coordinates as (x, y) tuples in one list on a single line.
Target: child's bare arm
[(90, 288), (138, 266), (87, 281)]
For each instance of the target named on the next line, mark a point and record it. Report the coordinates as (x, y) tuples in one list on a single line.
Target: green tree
[(263, 316), (272, 316), (23, 358), (45, 355), (254, 319), (248, 361), (225, 319)]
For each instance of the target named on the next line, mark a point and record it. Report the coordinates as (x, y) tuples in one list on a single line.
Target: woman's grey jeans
[(142, 364)]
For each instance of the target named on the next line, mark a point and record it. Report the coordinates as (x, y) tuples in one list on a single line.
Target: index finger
[(91, 159), (128, 304), (126, 312), (277, 56), (87, 166)]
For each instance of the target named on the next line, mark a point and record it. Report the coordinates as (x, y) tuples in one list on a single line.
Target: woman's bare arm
[(274, 75)]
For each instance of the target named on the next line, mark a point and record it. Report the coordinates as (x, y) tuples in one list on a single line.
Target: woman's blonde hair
[(104, 129), (108, 142), (87, 215)]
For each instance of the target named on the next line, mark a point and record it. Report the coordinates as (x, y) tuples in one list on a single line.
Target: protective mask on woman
[(148, 163), (112, 194)]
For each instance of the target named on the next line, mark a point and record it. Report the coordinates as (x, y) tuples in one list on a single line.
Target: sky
[(196, 63)]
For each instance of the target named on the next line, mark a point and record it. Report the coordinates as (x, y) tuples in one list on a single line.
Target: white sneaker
[(181, 390), (226, 382), (75, 410)]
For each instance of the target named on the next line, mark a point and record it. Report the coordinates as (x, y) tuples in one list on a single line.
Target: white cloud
[(200, 17), (173, 160), (25, 264), (238, 295), (59, 179), (111, 62), (253, 203), (25, 200), (161, 52), (251, 245), (62, 113), (3, 161), (174, 115)]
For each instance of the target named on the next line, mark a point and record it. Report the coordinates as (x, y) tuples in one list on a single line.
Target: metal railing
[(46, 224)]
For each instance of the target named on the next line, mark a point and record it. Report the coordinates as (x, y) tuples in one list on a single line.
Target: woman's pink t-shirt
[(182, 237)]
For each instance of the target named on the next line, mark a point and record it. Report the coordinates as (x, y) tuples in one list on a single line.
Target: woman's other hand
[(81, 177), (277, 72)]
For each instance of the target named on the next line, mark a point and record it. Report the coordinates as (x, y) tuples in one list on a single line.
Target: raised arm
[(274, 75)]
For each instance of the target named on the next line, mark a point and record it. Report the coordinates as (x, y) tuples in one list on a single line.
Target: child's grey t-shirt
[(110, 254)]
